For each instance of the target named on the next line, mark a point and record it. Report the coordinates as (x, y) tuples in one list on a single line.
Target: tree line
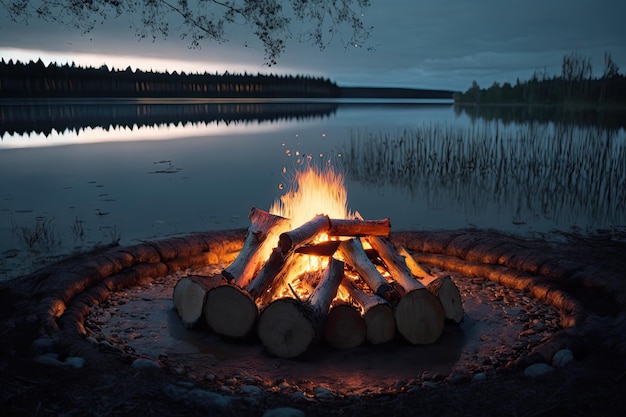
[(575, 85), (36, 79)]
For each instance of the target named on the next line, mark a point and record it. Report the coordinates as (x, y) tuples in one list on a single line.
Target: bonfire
[(311, 269)]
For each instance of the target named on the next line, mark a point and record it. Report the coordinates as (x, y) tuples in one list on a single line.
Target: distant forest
[(35, 79), (38, 80), (574, 86)]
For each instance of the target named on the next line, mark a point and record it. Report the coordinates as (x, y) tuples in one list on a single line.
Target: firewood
[(344, 327), (190, 295), (419, 314), (288, 326), (359, 227), (288, 241), (230, 311), (354, 255), (448, 293), (416, 268), (377, 313), (261, 237)]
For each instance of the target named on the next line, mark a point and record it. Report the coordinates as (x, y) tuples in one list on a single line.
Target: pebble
[(53, 360), (42, 345), (321, 392), (250, 389), (299, 395), (142, 363), (284, 385), (429, 384), (196, 397), (456, 379), (537, 369), (75, 361), (481, 376), (562, 358), (284, 412)]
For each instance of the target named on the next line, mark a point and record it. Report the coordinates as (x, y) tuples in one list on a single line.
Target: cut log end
[(230, 312), (381, 324), (344, 327), (285, 328), (449, 296), (419, 317), (189, 297)]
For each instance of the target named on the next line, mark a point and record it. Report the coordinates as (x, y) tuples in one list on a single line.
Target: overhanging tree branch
[(270, 21)]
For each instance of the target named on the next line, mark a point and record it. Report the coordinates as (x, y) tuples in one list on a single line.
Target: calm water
[(72, 176)]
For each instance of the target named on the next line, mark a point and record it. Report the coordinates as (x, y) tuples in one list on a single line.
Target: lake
[(78, 174)]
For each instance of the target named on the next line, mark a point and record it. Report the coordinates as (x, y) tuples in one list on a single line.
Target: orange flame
[(313, 191)]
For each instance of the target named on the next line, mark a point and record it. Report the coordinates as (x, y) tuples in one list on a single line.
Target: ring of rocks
[(565, 297)]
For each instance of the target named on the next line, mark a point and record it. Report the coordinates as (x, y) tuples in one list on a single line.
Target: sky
[(436, 44)]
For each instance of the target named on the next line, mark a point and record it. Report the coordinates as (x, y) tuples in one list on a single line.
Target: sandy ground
[(470, 371), (499, 326)]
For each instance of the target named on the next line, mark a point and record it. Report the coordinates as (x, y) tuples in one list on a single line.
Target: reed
[(538, 170)]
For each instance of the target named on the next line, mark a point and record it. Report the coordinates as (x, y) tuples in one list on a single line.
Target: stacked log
[(268, 287)]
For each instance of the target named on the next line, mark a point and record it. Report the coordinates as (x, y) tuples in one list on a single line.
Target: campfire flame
[(313, 190)]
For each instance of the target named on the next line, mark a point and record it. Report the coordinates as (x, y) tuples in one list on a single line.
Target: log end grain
[(381, 324), (285, 328), (450, 297), (419, 317), (230, 312), (188, 301), (344, 327)]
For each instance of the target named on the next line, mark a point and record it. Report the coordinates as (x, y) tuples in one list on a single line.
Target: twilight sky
[(441, 44)]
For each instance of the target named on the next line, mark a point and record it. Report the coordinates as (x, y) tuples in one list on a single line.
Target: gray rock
[(43, 345), (75, 361), (284, 412), (51, 359), (562, 358), (429, 384), (206, 399), (321, 392), (142, 363), (299, 395), (250, 389), (196, 397), (481, 376), (537, 369)]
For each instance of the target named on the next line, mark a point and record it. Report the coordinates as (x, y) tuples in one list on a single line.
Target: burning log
[(419, 314), (354, 255), (359, 227), (344, 327), (304, 234), (377, 313), (288, 326), (261, 238)]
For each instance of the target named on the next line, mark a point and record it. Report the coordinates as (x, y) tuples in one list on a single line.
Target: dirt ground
[(470, 371)]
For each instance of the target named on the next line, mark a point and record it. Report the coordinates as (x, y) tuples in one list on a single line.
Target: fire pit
[(313, 279)]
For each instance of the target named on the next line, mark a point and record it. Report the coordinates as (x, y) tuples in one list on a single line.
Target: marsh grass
[(42, 235), (543, 171)]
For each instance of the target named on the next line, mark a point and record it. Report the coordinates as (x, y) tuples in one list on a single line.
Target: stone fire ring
[(552, 303)]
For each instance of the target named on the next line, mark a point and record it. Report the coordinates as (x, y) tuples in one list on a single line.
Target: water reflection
[(605, 118), (564, 174), (46, 116)]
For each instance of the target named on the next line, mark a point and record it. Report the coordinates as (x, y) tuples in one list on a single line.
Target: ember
[(304, 267)]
